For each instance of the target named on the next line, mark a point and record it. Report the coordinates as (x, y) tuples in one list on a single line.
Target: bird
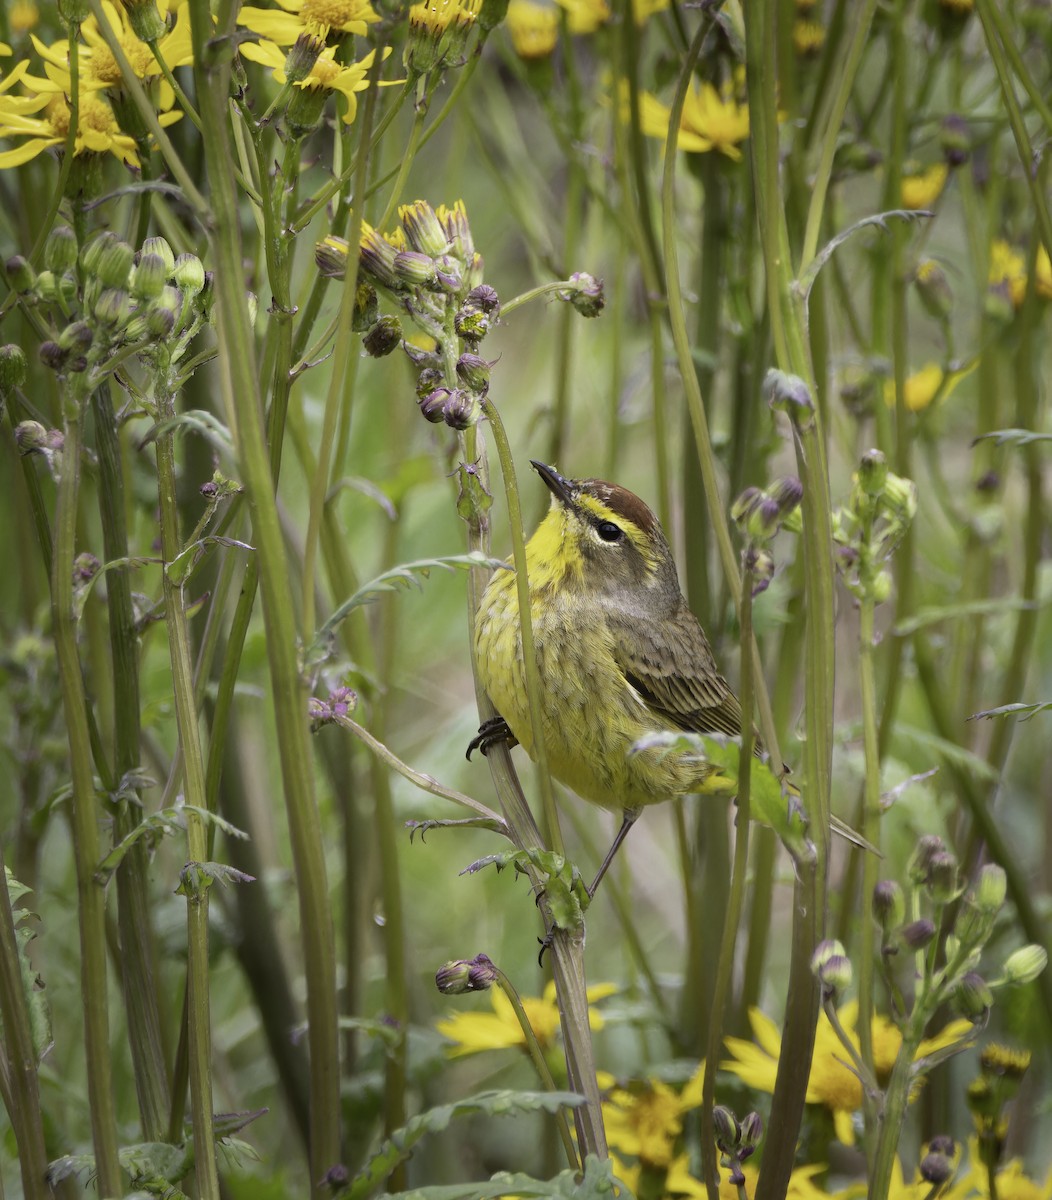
[(619, 652)]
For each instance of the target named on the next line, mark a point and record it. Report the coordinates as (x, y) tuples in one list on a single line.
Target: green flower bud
[(76, 339), (415, 269), (751, 1133), (917, 934), (1025, 964), (933, 288), (900, 495), (491, 14), (115, 264), (163, 312), (188, 274), (448, 274), (366, 308), (113, 307), (954, 140), (942, 878), (473, 371), (427, 381), (972, 997), (300, 60), (304, 112), (146, 20), (990, 889), (880, 586), (477, 974), (728, 1131), (160, 247), (423, 230), (918, 865), (149, 276), (831, 966), (330, 257), (471, 324), (12, 367), (20, 272), (973, 925), (586, 294), (30, 437), (873, 472), (385, 336), (377, 259), (889, 905), (60, 250)]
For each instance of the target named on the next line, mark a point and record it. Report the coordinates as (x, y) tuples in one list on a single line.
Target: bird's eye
[(608, 531)]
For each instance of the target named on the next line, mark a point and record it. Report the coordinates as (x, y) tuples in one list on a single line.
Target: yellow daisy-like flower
[(585, 16), (315, 17), (708, 121), (831, 1083), (534, 28), (1011, 1180), (918, 1189), (97, 128), (1008, 272), (646, 1121), (325, 75), (924, 188), (923, 386), (680, 1182), (434, 17), (808, 38), (98, 67), (476, 1031)]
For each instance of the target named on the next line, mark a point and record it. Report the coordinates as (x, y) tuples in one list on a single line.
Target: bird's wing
[(672, 668)]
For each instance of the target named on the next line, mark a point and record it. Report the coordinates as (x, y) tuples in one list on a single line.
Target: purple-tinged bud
[(76, 339), (149, 276), (955, 140), (113, 307), (423, 230), (943, 882), (415, 269), (85, 567), (476, 974), (471, 324), (920, 861), (383, 337), (461, 410), (485, 298), (889, 905), (972, 997), (449, 274), (302, 56), (432, 405), (160, 247), (751, 1133), (936, 1168), (52, 355), (728, 1131), (585, 294), (20, 272), (917, 934), (473, 371)]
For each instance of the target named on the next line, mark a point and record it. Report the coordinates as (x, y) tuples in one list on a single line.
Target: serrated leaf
[(1026, 711), (401, 578), (196, 877), (131, 562), (473, 501), (1013, 437), (147, 1161), (186, 562), (166, 821), (38, 1011), (198, 421), (971, 608), (398, 1147)]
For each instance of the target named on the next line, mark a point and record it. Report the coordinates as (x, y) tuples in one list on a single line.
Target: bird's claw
[(490, 733)]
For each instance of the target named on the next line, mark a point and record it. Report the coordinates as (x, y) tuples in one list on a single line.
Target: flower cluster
[(870, 526)]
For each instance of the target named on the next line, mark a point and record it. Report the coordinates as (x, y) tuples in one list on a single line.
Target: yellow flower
[(919, 1189), (97, 129), (708, 122), (1043, 274), (22, 16), (585, 16), (316, 17), (534, 28), (924, 188), (98, 67), (680, 1182), (808, 38), (1008, 272), (831, 1083), (476, 1031), (1012, 1181), (5, 50), (325, 75), (647, 1120), (644, 9), (925, 385)]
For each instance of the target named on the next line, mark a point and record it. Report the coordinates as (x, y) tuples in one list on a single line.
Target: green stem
[(198, 1016), (90, 896), (409, 156), (240, 389)]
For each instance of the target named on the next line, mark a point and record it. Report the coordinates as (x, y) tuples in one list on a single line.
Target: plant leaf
[(971, 608), (1025, 711)]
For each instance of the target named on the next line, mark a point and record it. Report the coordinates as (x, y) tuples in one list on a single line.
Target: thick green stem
[(199, 1028), (240, 387), (85, 818)]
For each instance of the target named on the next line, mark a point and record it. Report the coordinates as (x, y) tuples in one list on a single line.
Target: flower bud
[(30, 437), (873, 472), (149, 276), (12, 367), (585, 294), (85, 567), (477, 974), (330, 257), (163, 312), (448, 274), (76, 339), (937, 1166), (114, 263), (473, 371), (461, 410), (60, 250), (366, 308), (830, 965), (880, 586), (423, 230), (52, 355), (304, 112), (1025, 964), (972, 997), (998, 1061), (383, 337), (432, 405), (760, 565), (485, 298), (928, 846), (990, 889), (160, 247), (415, 269), (302, 56), (751, 1133), (20, 272), (427, 381), (933, 288), (954, 140), (146, 20), (113, 307), (900, 495), (889, 905), (942, 878), (728, 1131), (491, 14), (377, 258), (471, 324), (188, 274), (917, 934), (982, 1099)]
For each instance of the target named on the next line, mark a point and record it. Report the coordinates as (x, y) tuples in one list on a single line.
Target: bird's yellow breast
[(591, 714)]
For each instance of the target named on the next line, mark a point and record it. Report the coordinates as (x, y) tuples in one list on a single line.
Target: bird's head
[(604, 538)]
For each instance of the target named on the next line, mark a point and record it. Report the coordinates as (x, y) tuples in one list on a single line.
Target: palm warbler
[(619, 652)]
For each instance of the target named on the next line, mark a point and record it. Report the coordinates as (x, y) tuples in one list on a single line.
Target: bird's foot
[(490, 734)]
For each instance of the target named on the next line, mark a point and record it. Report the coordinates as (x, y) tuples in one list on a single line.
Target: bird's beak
[(560, 488)]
